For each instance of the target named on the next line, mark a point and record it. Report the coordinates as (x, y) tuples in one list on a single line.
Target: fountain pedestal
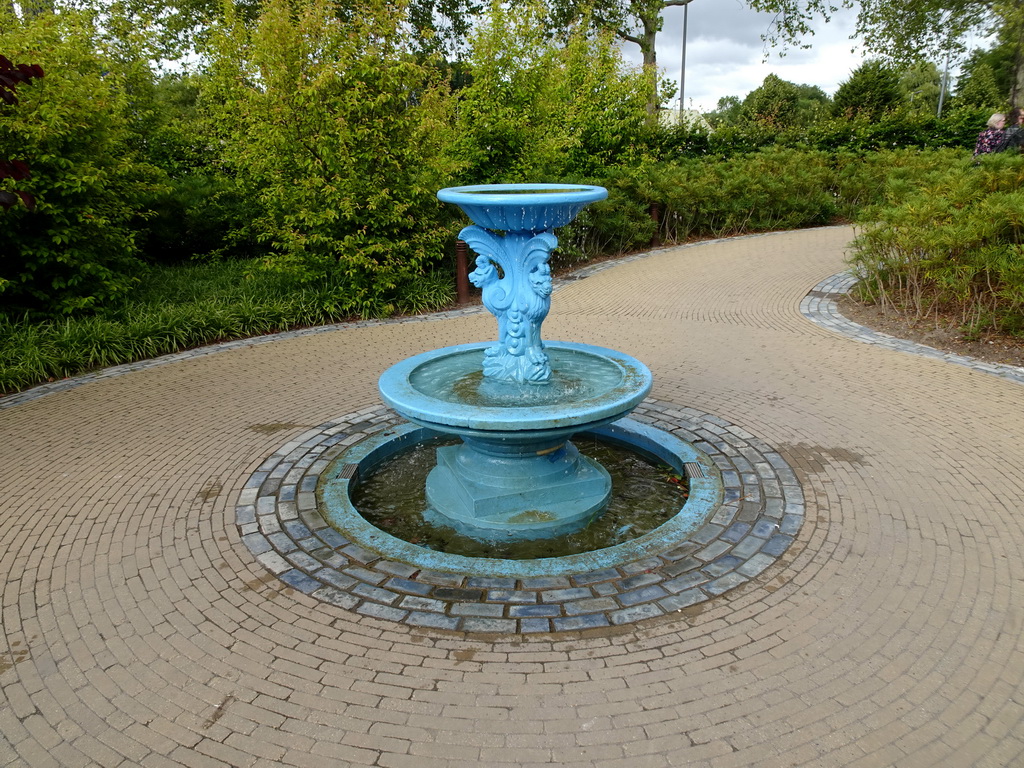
[(504, 489), (516, 403)]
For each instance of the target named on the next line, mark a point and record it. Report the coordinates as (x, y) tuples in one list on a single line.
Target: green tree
[(998, 60), (977, 88), (538, 108), (77, 129), (640, 21), (902, 32), (939, 29), (871, 90), (633, 21), (919, 86), (507, 116), (729, 111), (812, 103), (774, 103), (202, 212), (602, 103), (342, 138), (439, 26)]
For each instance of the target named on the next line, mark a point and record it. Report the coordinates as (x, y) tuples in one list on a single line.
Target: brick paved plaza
[(139, 629)]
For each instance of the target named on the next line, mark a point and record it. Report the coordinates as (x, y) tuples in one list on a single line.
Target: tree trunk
[(650, 54), (1017, 87), (1017, 83)]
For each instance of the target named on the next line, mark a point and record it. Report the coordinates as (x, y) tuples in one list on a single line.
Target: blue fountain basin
[(445, 390), (522, 207)]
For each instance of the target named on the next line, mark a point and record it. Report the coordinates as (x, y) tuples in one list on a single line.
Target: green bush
[(958, 129), (619, 224), (198, 215), (950, 242), (536, 109), (342, 139), (773, 189), (865, 179), (201, 211), (74, 129)]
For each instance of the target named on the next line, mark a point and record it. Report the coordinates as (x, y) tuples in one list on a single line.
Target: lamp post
[(682, 69), (943, 85)]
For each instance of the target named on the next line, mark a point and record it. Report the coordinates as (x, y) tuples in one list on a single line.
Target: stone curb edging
[(761, 513), (820, 307)]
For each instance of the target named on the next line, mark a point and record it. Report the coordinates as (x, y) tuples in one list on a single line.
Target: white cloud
[(725, 55)]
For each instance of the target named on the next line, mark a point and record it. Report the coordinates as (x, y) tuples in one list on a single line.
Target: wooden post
[(461, 272), (655, 210)]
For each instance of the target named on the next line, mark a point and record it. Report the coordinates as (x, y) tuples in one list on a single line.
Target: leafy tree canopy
[(639, 21), (872, 90), (728, 111), (998, 61), (919, 85), (774, 103), (978, 88), (440, 26)]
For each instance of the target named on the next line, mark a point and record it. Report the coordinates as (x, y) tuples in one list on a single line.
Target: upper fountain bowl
[(522, 207)]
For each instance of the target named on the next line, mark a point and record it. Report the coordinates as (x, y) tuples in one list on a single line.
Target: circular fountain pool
[(335, 501), (645, 494), (756, 510)]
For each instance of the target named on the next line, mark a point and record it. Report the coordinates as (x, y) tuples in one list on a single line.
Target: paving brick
[(487, 626), (879, 625), (493, 610)]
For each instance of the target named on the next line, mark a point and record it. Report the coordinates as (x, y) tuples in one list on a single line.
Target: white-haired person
[(991, 139)]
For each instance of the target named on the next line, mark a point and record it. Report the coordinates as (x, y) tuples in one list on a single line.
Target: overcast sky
[(725, 55)]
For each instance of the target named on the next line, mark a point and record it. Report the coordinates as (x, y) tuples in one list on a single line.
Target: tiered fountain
[(516, 403)]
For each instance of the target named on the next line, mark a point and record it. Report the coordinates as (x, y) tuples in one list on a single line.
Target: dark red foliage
[(12, 75)]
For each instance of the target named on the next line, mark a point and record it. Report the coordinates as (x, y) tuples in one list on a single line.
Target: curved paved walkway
[(137, 629)]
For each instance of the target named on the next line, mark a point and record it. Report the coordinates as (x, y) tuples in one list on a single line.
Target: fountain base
[(501, 491)]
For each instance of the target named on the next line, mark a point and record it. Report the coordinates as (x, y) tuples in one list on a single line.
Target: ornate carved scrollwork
[(514, 277)]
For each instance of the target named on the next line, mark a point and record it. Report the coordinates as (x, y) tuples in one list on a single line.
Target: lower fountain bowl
[(516, 475), (445, 390)]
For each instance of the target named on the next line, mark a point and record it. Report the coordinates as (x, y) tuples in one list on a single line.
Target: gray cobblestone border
[(819, 306), (761, 513)]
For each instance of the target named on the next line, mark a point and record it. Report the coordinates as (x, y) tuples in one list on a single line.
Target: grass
[(182, 307)]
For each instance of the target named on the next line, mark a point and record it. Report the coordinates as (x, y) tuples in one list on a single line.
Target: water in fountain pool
[(575, 376), (645, 495)]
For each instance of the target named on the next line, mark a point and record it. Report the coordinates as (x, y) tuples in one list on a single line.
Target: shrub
[(342, 138), (177, 308), (201, 212), (897, 130), (872, 90), (950, 242), (76, 249), (536, 109)]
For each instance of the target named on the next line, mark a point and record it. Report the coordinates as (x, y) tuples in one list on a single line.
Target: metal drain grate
[(693, 469), (348, 472)]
